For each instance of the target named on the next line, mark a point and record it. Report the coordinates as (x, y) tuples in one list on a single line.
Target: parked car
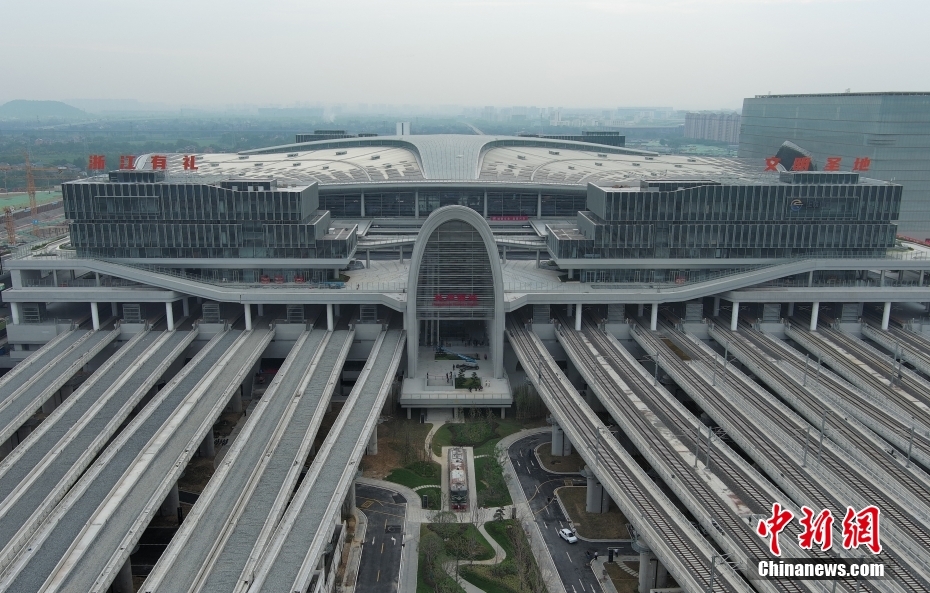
[(568, 535)]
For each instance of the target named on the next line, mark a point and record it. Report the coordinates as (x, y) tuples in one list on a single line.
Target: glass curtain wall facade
[(891, 129), (777, 220), (403, 204), (455, 279), (124, 218)]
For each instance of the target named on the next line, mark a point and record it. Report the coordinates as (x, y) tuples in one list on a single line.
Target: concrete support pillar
[(14, 312), (503, 413), (652, 575), (537, 258), (235, 400), (372, 448), (810, 278), (261, 309), (571, 274), (578, 317), (55, 277), (348, 505), (123, 581), (368, 259), (654, 318), (886, 316), (169, 314), (186, 306), (49, 405), (640, 309), (920, 280), (97, 278), (207, 448), (568, 310), (400, 256), (409, 413), (734, 317), (248, 316), (815, 311), (790, 309), (597, 499), (169, 508), (363, 204), (881, 278), (558, 440), (329, 317), (539, 205), (95, 315), (485, 203), (114, 310), (504, 253)]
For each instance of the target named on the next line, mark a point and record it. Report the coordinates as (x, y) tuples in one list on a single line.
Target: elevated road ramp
[(35, 477), (290, 562), (256, 480), (44, 374), (684, 552), (95, 527)]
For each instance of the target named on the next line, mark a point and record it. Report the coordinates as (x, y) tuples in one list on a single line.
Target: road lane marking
[(382, 547), (569, 558), (582, 584), (378, 578)]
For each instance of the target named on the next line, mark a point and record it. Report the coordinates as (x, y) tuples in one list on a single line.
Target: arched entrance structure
[(455, 276)]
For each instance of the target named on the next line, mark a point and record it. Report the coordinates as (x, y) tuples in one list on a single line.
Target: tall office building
[(720, 127), (891, 130)]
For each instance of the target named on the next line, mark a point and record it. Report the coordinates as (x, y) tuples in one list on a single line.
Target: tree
[(499, 514)]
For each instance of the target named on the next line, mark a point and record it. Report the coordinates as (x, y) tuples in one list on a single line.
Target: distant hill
[(22, 109)]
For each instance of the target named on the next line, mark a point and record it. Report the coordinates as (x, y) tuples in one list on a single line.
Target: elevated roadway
[(672, 538), (883, 417), (868, 369), (851, 436), (52, 366), (907, 346), (775, 439), (96, 525), (724, 497), (290, 561), (35, 477), (250, 490)]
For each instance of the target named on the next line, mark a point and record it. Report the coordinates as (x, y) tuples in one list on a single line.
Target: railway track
[(685, 553), (813, 409), (733, 532), (907, 346), (871, 411), (908, 390), (773, 450)]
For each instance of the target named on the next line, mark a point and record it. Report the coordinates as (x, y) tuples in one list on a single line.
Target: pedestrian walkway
[(600, 572)]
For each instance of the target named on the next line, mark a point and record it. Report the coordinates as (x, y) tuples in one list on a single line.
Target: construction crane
[(31, 191), (10, 226)]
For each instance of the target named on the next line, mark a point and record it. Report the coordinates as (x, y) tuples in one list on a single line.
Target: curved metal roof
[(452, 157)]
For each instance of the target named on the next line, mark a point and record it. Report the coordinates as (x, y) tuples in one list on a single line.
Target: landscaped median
[(443, 542), (517, 572)]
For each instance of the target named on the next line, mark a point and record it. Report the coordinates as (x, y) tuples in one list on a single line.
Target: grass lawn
[(412, 479), (484, 577), (564, 463), (609, 525), (503, 499), (623, 581), (434, 497), (503, 427)]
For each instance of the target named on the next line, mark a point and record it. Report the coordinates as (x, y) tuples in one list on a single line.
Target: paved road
[(539, 486), (380, 562)]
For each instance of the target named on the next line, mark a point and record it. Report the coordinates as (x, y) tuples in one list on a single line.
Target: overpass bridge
[(725, 496), (97, 524), (245, 498), (742, 408), (40, 471), (693, 561)]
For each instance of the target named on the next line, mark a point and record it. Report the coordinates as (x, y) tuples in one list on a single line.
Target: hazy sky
[(690, 54)]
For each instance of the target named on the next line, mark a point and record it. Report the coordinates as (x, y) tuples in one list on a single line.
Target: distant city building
[(403, 128), (720, 127), (891, 130)]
